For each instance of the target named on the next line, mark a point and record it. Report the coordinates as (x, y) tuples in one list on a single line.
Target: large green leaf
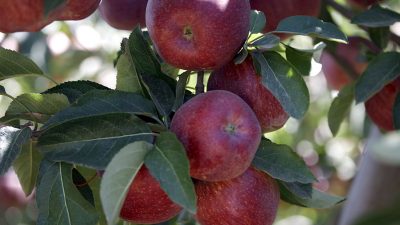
[(168, 163), (74, 89), (26, 166), (301, 190), (257, 21), (282, 163), (11, 140), (340, 108), (380, 71), (396, 112), (265, 42), (127, 77), (284, 82), (35, 107), (14, 64), (103, 102), (376, 16), (58, 200), (301, 58), (308, 25), (118, 177), (93, 141)]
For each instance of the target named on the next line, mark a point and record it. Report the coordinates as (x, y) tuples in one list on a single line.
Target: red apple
[(198, 34), (244, 81), (276, 10), (220, 133), (250, 199), (380, 107), (123, 14), (146, 202), (362, 4), (76, 10), (336, 76)]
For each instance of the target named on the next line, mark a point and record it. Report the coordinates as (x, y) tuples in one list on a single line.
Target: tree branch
[(200, 82)]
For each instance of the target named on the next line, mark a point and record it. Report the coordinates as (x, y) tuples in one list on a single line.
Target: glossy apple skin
[(362, 4), (28, 15), (250, 199), (336, 76), (198, 34), (146, 202), (123, 14), (220, 133), (244, 81), (380, 106), (276, 10)]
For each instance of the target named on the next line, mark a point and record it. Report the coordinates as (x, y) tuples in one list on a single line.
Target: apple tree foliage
[(59, 139)]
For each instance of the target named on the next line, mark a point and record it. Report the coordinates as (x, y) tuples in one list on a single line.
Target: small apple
[(146, 202), (220, 133), (244, 81), (276, 10), (336, 76), (250, 199), (380, 106), (362, 4), (198, 34), (123, 14)]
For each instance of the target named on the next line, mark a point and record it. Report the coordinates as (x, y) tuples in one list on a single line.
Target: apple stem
[(200, 82)]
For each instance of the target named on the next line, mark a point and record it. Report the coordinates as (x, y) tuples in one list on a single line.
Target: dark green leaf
[(82, 185), (93, 141), (2, 90), (266, 42), (299, 189), (74, 89), (26, 166), (380, 71), (168, 163), (14, 64), (380, 36), (340, 108), (103, 102), (300, 60), (58, 200), (257, 21), (318, 199), (50, 5), (282, 163), (127, 77), (284, 83), (396, 112), (180, 90), (35, 107), (308, 25), (241, 56), (376, 16), (119, 175), (11, 140)]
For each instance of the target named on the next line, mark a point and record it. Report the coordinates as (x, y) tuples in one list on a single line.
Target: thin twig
[(200, 82)]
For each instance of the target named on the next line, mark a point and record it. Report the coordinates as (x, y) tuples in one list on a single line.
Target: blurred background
[(85, 50)]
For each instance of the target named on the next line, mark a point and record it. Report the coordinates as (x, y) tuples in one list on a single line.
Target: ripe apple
[(250, 199), (146, 202), (220, 133), (198, 34), (336, 76), (244, 81), (276, 10), (76, 10), (123, 14), (362, 4), (380, 107)]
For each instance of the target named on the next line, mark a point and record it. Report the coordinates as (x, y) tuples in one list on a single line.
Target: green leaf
[(282, 163), (318, 199), (82, 185), (74, 89), (376, 16), (2, 90), (380, 36), (265, 42), (26, 166), (311, 26), (168, 163), (396, 112), (300, 60), (103, 102), (50, 5), (118, 177), (14, 64), (298, 189), (380, 71), (284, 83), (92, 142), (35, 107), (127, 77), (241, 56), (11, 140), (257, 21), (340, 108), (180, 90), (386, 149), (58, 200)]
